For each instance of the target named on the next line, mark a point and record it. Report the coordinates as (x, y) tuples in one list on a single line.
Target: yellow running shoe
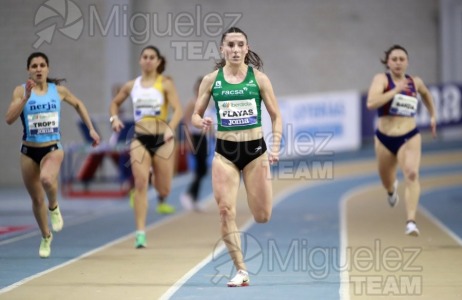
[(56, 219), (45, 246), (165, 209)]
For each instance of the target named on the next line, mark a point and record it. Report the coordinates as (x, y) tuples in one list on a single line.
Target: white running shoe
[(56, 219), (393, 199), (45, 246), (411, 229), (187, 201), (198, 207), (241, 279)]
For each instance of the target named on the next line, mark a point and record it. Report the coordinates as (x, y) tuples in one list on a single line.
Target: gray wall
[(451, 40), (307, 46)]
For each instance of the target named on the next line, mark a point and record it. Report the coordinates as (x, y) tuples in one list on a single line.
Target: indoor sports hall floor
[(331, 237)]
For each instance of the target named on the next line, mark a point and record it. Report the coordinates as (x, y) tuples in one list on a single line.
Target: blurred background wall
[(308, 46)]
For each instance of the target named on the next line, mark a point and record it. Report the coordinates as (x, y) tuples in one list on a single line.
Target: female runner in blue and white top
[(398, 141), (38, 104)]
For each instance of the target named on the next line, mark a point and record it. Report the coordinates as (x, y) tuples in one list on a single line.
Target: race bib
[(403, 105), (147, 108), (43, 123), (238, 113)]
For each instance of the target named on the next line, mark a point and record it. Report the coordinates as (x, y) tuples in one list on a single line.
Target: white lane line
[(110, 244), (344, 290), (344, 274), (282, 196), (435, 220)]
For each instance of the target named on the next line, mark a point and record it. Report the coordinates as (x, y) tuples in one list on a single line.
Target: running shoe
[(187, 201), (411, 229), (393, 199), (165, 209), (140, 240), (197, 207), (241, 279), (45, 246), (56, 219)]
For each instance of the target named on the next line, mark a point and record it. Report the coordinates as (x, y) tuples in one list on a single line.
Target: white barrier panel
[(318, 124)]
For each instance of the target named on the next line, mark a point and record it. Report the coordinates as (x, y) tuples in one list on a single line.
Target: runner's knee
[(141, 183), (37, 201), (262, 216), (411, 174), (226, 213), (47, 181)]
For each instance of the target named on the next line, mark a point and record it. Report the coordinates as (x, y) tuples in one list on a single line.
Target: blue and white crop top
[(40, 116)]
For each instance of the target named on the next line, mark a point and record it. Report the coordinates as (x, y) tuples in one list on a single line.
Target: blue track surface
[(286, 257), (297, 253)]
